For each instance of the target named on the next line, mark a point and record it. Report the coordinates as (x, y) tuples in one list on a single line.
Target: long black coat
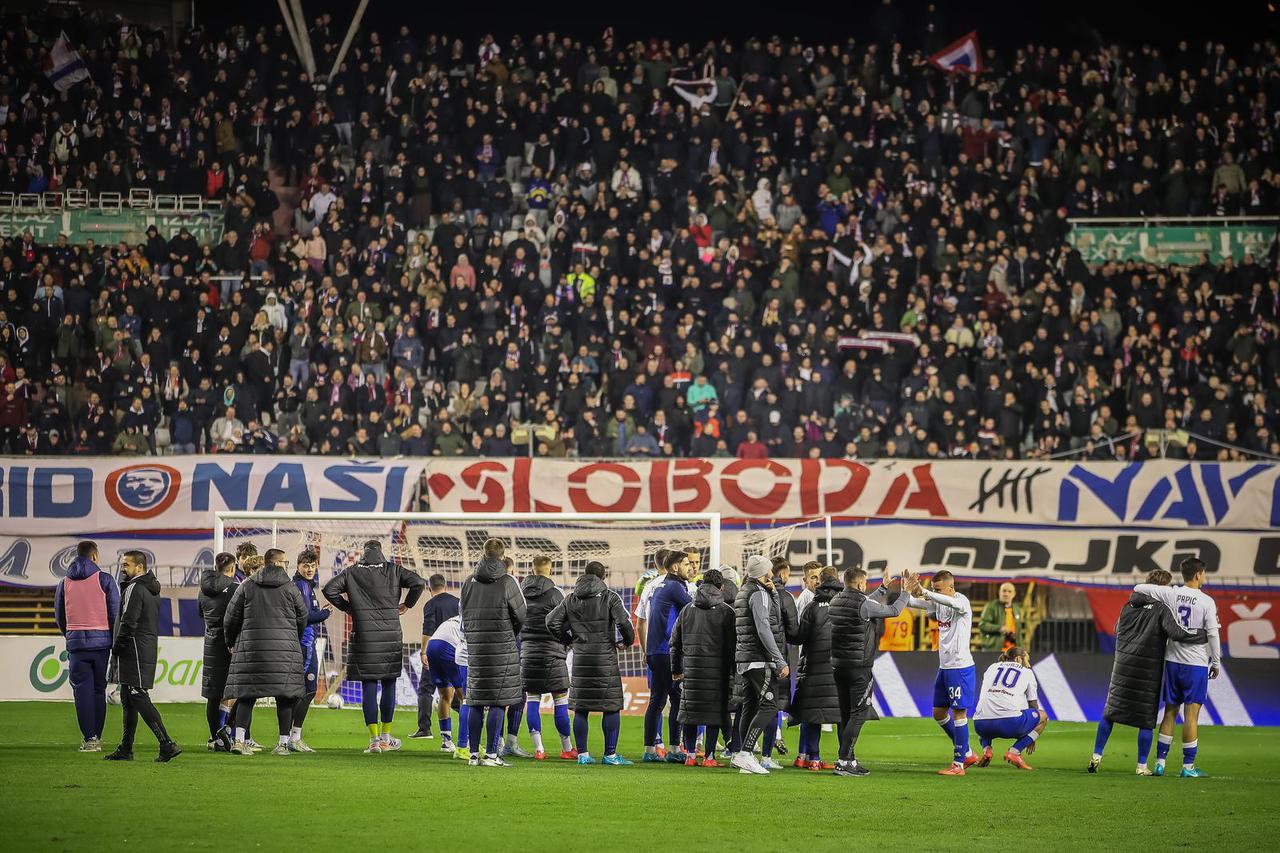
[(1133, 697), (591, 619), (816, 700), (493, 612), (370, 592), (790, 627), (264, 621), (702, 650), (542, 656), (135, 647), (215, 594)]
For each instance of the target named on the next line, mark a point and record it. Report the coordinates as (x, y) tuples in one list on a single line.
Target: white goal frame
[(220, 519)]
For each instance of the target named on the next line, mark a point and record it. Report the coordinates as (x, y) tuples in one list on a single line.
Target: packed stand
[(760, 249)]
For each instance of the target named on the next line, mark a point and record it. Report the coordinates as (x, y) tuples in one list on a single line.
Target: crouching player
[(1009, 708)]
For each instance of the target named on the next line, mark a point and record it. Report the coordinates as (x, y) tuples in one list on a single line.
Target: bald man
[(1001, 626)]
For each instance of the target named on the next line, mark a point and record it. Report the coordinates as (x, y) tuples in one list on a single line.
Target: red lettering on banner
[(691, 475), (520, 484), (659, 500), (847, 495), (810, 474), (766, 505), (925, 497), (477, 477), (580, 495)]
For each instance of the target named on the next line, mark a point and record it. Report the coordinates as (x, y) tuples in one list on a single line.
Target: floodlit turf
[(55, 798)]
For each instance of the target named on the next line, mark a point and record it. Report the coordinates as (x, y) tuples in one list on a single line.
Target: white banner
[(44, 560), (36, 668), (1177, 495), (75, 497)]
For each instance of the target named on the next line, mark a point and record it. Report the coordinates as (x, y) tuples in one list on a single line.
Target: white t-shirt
[(802, 600), (646, 596), (1008, 689), (955, 627), (450, 631), (1193, 609)]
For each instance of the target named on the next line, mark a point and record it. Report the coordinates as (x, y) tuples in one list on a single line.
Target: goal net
[(450, 544)]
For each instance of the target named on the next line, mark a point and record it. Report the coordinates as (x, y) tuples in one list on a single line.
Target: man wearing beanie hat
[(758, 655)]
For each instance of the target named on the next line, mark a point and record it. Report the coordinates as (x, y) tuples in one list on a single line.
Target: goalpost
[(450, 544)]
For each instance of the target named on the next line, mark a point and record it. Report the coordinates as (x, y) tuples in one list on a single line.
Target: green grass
[(55, 798)]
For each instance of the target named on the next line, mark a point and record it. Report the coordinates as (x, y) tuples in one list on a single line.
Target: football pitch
[(58, 799)]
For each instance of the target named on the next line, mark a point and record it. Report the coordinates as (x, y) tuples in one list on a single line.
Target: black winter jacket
[(493, 612), (264, 621), (817, 700), (1133, 697), (542, 656), (702, 651), (135, 647), (590, 619), (215, 594), (370, 592), (853, 638)]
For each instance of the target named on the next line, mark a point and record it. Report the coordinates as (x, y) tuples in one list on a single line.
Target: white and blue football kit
[(1186, 666), (1004, 703), (447, 655), (953, 688)]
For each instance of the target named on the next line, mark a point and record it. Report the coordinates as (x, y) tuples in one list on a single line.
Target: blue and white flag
[(961, 55), (63, 65)]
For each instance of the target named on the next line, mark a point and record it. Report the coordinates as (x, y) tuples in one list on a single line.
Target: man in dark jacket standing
[(591, 620), (542, 659), (816, 701), (133, 657), (370, 592), (669, 597), (857, 621), (216, 588), (702, 663), (493, 612), (788, 611), (85, 606), (1133, 696), (263, 625), (306, 580), (759, 641), (441, 606)]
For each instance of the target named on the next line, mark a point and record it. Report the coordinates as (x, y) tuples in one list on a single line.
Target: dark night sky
[(1000, 23)]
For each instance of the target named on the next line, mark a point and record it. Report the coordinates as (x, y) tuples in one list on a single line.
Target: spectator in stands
[(1001, 625)]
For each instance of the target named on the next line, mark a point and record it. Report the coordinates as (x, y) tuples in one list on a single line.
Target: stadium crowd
[(756, 248)]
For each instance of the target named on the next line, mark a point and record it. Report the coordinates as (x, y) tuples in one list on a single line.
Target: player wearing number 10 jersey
[(1009, 707), (953, 688), (1187, 668)]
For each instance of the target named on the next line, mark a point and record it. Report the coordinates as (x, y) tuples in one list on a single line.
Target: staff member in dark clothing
[(133, 657), (759, 661), (857, 621), (816, 701), (669, 597), (306, 582), (542, 659), (216, 588), (441, 605), (702, 663), (493, 612), (263, 626), (1133, 696), (370, 592), (86, 605), (593, 621), (782, 689)]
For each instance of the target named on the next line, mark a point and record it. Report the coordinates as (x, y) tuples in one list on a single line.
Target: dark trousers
[(284, 714), (137, 703), (853, 686), (759, 709), (661, 688), (426, 690), (88, 670)]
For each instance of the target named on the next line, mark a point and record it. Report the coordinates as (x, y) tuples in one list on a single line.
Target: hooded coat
[(817, 700), (135, 648), (83, 569), (590, 620), (215, 594), (370, 592), (1145, 624), (493, 612), (702, 651), (263, 623), (542, 656)]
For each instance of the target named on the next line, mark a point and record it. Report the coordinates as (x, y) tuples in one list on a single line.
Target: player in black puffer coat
[(1133, 696), (133, 656), (593, 621), (216, 588), (542, 656), (370, 592), (702, 661), (817, 700), (493, 613)]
